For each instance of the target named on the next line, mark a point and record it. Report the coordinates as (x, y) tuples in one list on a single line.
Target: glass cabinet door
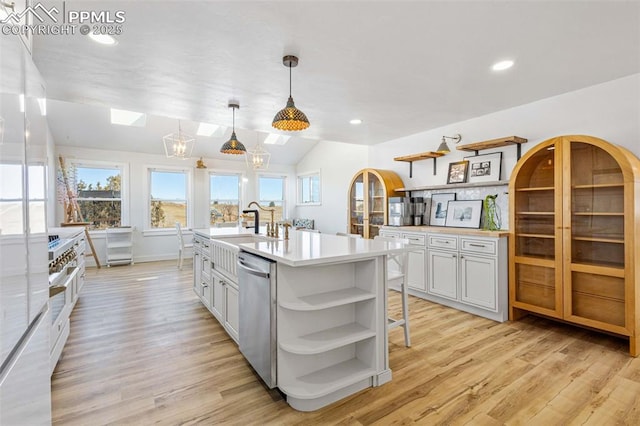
[(537, 233), (597, 290), (375, 204), (356, 208)]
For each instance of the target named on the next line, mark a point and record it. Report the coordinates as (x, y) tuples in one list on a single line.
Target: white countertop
[(311, 248), (307, 248)]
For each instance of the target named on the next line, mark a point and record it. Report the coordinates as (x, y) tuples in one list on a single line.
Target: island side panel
[(332, 334)]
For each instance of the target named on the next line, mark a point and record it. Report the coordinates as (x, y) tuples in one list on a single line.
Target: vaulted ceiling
[(402, 67)]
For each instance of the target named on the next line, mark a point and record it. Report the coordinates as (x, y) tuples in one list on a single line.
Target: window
[(271, 193), (11, 200), (99, 194), (224, 199), (168, 198), (309, 188), (37, 198)]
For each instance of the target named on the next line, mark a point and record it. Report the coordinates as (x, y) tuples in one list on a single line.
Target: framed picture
[(464, 213), (439, 208), (458, 172), (485, 167)]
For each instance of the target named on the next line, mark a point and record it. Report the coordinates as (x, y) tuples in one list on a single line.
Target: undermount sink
[(241, 239)]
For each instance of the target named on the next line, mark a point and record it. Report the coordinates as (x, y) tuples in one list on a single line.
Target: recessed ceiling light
[(103, 39), (502, 65), (355, 121)]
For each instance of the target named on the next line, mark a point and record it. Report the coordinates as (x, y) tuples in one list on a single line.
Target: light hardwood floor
[(144, 350)]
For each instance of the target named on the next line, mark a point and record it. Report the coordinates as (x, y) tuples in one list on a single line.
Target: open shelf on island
[(327, 300), (326, 340)]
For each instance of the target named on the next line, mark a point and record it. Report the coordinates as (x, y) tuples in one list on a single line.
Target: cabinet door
[(595, 280), (356, 205), (417, 272), (217, 296), (197, 271), (231, 316), (536, 249), (478, 281), (375, 205), (443, 274)]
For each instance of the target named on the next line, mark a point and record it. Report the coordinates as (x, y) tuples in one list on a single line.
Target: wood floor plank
[(143, 350)]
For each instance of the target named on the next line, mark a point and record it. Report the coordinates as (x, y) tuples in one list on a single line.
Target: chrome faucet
[(272, 229)]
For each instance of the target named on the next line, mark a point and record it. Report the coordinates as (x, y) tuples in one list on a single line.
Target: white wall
[(610, 111), (338, 163), (154, 244)]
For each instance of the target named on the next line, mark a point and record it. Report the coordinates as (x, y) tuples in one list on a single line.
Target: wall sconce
[(443, 148)]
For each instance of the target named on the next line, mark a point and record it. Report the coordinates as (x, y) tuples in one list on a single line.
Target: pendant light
[(290, 118), (178, 145), (233, 145), (258, 157)]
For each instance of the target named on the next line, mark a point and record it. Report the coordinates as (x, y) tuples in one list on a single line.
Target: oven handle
[(57, 289)]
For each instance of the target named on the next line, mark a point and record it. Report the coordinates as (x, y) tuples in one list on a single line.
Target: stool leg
[(405, 314), (179, 259)]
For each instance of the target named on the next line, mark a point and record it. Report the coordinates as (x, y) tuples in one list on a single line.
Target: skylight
[(207, 129), (128, 118), (274, 139)]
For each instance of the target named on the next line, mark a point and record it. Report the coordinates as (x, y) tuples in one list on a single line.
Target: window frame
[(124, 186), (299, 178), (188, 193), (284, 200), (241, 179)]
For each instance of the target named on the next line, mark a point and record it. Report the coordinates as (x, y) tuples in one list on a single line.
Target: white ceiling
[(402, 67)]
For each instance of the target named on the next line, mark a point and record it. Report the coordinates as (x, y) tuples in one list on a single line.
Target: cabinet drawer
[(389, 234), (478, 246), (448, 242), (415, 239)]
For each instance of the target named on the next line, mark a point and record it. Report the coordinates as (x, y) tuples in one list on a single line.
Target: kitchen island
[(330, 309)]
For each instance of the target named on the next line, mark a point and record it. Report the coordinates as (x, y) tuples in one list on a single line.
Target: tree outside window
[(224, 199), (168, 198), (99, 195)]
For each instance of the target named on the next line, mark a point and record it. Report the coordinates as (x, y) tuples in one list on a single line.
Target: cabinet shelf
[(328, 380), (328, 300), (597, 214), (599, 239), (599, 185), (119, 245), (535, 213), (494, 143), (326, 340), (539, 188), (535, 235)]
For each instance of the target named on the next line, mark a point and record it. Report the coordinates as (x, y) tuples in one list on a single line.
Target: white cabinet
[(443, 273), (119, 245), (231, 312), (417, 279), (469, 273), (215, 281)]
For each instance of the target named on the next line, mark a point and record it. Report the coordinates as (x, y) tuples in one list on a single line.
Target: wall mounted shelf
[(455, 186), (418, 157), (495, 143)]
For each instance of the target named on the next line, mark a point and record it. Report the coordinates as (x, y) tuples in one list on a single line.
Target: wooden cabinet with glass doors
[(369, 194), (574, 218)]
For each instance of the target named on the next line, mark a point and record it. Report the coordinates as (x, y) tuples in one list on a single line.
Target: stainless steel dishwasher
[(257, 310)]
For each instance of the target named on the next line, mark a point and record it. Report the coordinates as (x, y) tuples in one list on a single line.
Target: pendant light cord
[(289, 79)]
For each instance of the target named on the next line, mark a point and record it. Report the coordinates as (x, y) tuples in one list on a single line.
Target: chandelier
[(258, 158), (178, 145)]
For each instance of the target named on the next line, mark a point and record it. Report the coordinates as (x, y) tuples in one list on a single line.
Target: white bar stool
[(397, 273)]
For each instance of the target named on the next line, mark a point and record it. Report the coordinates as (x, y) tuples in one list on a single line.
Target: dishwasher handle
[(252, 271)]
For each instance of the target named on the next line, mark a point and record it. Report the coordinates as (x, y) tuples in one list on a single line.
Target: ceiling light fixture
[(233, 145), (259, 156), (355, 121), (443, 148), (502, 65), (290, 118), (178, 145), (105, 39)]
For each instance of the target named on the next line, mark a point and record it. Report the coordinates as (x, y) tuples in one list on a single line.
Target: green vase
[(492, 219)]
